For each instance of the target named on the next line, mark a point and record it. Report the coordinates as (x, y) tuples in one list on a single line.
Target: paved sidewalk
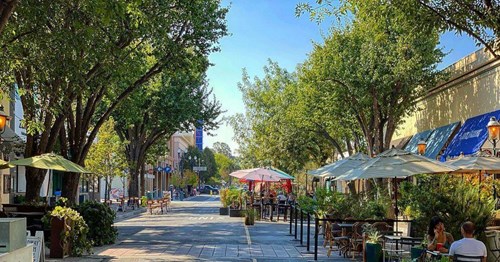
[(194, 231)]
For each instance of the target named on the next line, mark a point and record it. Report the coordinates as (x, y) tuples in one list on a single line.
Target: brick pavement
[(194, 231)]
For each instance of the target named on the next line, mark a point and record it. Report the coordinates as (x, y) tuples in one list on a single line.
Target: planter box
[(236, 213), (416, 252), (373, 252), (223, 211), (58, 249), (249, 221)]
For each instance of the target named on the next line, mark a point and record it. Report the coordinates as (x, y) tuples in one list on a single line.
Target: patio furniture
[(494, 239), (356, 239), (457, 257), (394, 251)]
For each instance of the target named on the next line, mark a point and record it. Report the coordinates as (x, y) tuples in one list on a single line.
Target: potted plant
[(373, 248), (250, 216), (224, 211), (234, 198), (417, 251)]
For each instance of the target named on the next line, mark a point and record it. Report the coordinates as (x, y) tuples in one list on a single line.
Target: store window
[(6, 184)]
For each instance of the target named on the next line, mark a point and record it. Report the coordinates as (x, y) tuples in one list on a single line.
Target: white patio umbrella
[(342, 166), (476, 164), (396, 163)]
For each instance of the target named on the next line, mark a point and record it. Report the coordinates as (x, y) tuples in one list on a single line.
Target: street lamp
[(3, 119), (494, 133), (421, 146)]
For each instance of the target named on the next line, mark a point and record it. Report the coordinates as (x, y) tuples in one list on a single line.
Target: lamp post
[(3, 120), (421, 146), (493, 133)]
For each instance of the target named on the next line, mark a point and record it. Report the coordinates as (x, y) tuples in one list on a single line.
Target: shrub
[(223, 193), (451, 198), (100, 218), (75, 232)]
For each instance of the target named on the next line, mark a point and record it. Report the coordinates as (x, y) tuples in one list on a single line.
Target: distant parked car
[(207, 188)]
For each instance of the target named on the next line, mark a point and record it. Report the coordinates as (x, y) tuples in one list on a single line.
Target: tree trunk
[(34, 181), (133, 185), (70, 183), (6, 9), (143, 181)]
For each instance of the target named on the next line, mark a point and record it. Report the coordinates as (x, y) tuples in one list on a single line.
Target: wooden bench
[(155, 204)]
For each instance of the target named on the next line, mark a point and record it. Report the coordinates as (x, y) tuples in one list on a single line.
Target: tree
[(478, 19), (225, 165), (7, 7), (107, 155), (222, 148), (177, 103), (209, 163), (72, 75), (376, 68)]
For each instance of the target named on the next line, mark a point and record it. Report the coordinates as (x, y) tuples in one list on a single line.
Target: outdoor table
[(393, 233), (344, 227), (26, 214), (437, 254)]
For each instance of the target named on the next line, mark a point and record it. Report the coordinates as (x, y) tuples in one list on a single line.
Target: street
[(194, 230)]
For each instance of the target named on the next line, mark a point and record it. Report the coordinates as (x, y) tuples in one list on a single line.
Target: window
[(6, 184)]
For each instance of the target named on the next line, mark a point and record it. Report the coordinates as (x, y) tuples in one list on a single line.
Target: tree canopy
[(71, 76)]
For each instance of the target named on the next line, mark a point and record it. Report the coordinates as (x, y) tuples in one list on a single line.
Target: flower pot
[(223, 211), (236, 212), (373, 252), (249, 221), (416, 252)]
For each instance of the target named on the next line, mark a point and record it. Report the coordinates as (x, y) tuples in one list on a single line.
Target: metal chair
[(459, 258), (495, 238)]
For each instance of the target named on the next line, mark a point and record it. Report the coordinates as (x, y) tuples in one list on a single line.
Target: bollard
[(291, 219), (301, 228), (308, 229), (316, 228), (210, 192), (295, 222)]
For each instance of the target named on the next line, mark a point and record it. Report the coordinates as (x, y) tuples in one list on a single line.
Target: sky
[(260, 30)]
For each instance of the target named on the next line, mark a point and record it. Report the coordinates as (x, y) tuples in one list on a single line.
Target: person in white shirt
[(468, 245)]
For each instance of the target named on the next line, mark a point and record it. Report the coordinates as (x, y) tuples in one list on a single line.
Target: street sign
[(167, 169), (200, 168), (159, 169)]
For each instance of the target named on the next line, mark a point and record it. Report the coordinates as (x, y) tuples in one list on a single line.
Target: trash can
[(181, 195), (149, 195)]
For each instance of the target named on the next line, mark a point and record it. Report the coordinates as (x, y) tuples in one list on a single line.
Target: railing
[(295, 210)]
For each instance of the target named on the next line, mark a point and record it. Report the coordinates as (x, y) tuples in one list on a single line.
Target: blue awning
[(412, 145), (438, 139), (470, 137)]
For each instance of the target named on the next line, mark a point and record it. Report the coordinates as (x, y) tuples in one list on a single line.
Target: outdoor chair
[(494, 237), (357, 238), (333, 235), (459, 258)]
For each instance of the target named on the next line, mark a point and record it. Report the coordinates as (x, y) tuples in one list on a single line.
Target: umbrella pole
[(48, 186), (396, 211)]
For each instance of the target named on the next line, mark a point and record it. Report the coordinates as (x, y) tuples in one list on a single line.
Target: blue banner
[(470, 137), (412, 145), (438, 139)]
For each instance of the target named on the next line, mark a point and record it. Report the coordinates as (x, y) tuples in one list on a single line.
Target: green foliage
[(225, 165), (234, 198), (372, 234), (75, 231), (144, 201), (223, 194), (208, 160), (100, 219), (450, 198)]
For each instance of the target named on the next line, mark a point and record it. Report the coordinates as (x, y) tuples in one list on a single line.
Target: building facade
[(473, 90)]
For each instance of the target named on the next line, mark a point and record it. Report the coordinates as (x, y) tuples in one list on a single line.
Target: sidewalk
[(129, 213)]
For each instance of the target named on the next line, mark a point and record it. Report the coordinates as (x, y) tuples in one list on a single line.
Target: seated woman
[(439, 240)]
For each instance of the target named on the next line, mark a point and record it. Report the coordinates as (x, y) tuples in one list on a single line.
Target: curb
[(125, 215)]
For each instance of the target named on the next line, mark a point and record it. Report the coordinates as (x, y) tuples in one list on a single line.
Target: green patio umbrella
[(4, 164), (51, 161)]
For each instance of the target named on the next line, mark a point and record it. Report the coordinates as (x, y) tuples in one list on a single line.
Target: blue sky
[(268, 29)]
